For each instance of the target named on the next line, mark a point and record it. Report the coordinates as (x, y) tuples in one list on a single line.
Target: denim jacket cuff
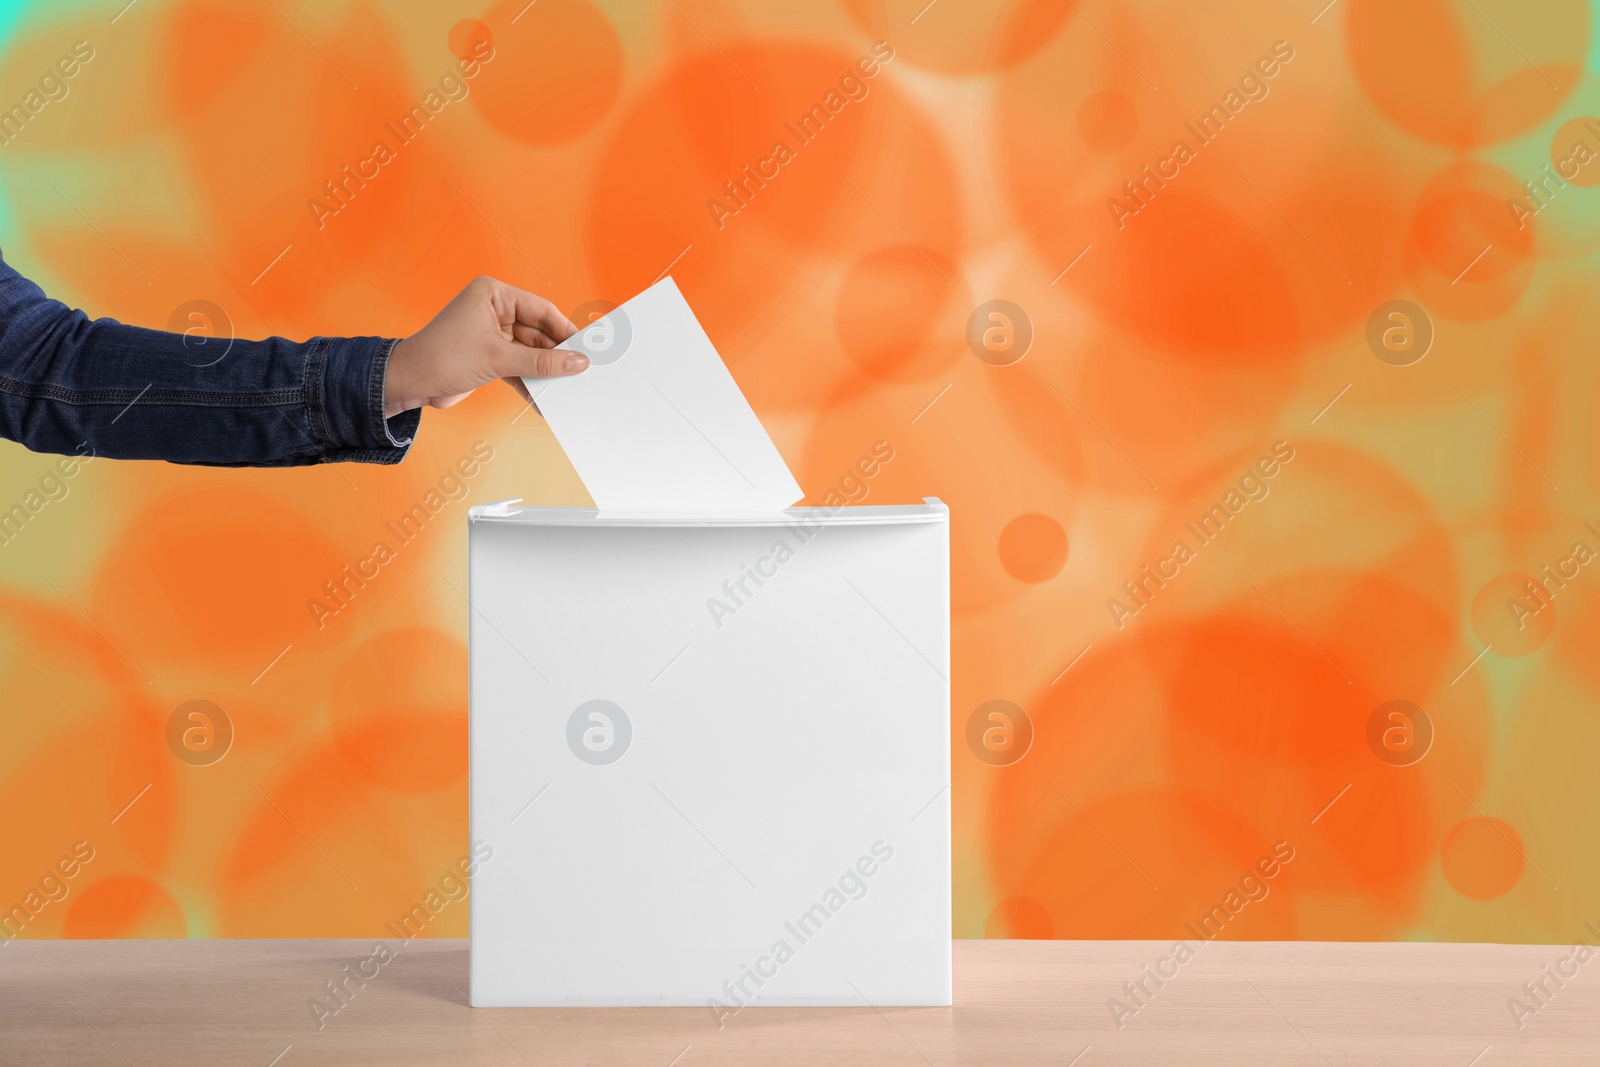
[(344, 387)]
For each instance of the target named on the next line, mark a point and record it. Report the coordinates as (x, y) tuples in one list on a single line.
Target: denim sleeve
[(73, 385)]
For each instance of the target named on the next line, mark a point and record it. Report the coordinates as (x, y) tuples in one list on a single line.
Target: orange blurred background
[(1092, 268)]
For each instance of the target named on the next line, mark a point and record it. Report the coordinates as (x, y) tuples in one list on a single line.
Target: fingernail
[(577, 362)]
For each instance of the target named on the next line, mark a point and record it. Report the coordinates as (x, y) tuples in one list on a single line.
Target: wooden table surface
[(174, 1003)]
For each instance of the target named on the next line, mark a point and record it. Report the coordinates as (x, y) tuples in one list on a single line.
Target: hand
[(489, 331)]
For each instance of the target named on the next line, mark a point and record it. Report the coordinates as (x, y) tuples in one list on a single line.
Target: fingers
[(519, 307), (532, 336), (520, 360)]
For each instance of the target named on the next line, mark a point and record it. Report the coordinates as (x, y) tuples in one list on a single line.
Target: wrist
[(395, 395), (345, 387)]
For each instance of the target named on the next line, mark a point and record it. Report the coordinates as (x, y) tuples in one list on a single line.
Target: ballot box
[(710, 757)]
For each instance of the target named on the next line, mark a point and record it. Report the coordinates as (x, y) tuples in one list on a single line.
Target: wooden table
[(173, 1003)]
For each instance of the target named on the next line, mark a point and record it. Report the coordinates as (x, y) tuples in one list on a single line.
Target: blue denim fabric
[(77, 386)]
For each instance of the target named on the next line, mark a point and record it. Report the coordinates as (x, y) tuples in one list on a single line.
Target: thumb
[(528, 362)]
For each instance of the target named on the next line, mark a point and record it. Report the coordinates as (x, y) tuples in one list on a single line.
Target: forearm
[(73, 385)]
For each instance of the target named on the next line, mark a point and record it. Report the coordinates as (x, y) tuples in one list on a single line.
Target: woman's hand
[(489, 331)]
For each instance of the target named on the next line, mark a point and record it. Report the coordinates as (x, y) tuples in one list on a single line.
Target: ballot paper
[(657, 424)]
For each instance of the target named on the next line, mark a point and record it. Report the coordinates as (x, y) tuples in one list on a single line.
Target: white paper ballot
[(657, 424)]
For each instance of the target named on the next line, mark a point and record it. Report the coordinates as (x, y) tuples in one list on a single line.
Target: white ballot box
[(711, 757)]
